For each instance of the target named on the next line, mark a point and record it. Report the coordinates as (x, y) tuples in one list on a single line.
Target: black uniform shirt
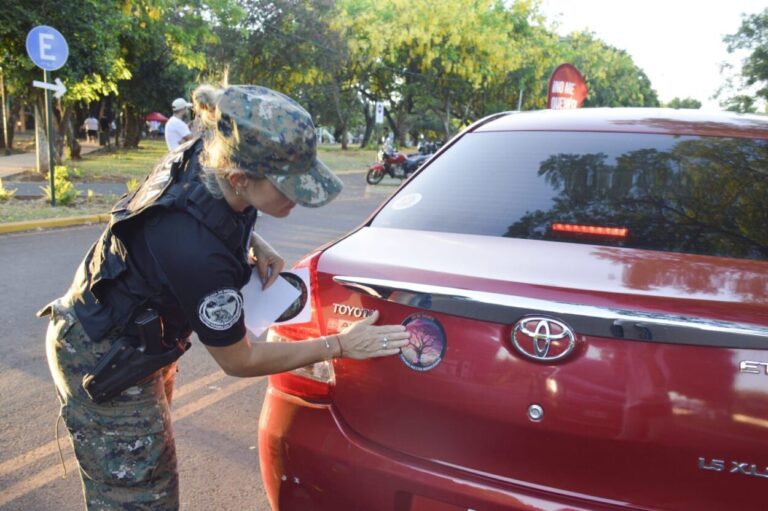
[(200, 277)]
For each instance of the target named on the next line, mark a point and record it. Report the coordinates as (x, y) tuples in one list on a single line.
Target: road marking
[(37, 453), (49, 474), (193, 386), (214, 397)]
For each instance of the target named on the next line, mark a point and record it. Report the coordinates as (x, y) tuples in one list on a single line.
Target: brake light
[(614, 232), (313, 382)]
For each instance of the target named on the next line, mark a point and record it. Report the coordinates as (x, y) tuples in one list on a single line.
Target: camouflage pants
[(124, 447)]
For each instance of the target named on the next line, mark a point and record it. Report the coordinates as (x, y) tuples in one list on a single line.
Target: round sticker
[(427, 344), (297, 306), (221, 310), (406, 201)]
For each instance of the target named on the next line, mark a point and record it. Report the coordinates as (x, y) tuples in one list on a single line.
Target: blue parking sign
[(47, 48)]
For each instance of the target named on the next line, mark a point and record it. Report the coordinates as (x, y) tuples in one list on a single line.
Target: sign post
[(49, 51)]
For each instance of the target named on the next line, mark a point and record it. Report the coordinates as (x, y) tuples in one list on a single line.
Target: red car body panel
[(632, 120), (627, 424)]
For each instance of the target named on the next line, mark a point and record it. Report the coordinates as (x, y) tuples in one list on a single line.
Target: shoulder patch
[(221, 309)]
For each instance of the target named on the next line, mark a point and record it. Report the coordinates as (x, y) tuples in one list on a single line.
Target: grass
[(120, 165), (124, 165), (346, 162), (18, 210)]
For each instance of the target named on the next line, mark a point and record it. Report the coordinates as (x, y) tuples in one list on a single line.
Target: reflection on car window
[(680, 194)]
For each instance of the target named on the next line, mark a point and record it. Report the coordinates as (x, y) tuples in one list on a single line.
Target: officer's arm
[(245, 358), (360, 340)]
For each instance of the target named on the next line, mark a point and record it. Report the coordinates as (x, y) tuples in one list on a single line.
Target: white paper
[(263, 306)]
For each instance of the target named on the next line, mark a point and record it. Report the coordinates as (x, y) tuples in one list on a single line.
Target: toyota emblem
[(543, 339)]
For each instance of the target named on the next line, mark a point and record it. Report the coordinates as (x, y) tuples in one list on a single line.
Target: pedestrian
[(154, 128), (91, 126), (171, 261), (176, 129)]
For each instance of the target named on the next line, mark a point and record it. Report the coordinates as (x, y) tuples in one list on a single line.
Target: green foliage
[(91, 30), (741, 103), (74, 172), (5, 193), (613, 79), (684, 103), (66, 193), (752, 37), (436, 66)]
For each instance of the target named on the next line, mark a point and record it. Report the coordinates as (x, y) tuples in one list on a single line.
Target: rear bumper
[(311, 462)]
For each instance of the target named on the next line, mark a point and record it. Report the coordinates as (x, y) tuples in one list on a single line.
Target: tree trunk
[(13, 117), (394, 126), (132, 127), (369, 122), (71, 136), (447, 118), (4, 144), (11, 123), (340, 114), (58, 134)]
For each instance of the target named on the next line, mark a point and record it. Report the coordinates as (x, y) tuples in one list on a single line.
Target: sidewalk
[(16, 163)]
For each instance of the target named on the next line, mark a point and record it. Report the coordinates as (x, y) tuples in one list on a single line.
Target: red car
[(587, 296)]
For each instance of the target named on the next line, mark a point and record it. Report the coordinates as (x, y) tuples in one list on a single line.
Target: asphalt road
[(215, 416)]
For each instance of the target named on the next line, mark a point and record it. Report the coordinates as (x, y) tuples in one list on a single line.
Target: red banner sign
[(567, 88)]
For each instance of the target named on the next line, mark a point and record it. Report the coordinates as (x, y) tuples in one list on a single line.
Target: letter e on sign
[(47, 48)]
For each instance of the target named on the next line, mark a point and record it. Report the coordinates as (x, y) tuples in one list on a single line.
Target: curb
[(30, 225)]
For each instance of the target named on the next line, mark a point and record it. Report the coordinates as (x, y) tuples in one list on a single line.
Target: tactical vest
[(173, 184)]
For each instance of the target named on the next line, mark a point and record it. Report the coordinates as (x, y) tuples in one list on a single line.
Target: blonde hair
[(216, 155)]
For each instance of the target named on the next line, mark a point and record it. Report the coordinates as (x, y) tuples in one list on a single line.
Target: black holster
[(131, 360)]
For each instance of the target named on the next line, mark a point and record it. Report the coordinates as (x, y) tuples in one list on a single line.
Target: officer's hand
[(268, 262), (363, 339)]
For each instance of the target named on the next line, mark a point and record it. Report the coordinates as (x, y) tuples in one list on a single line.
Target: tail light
[(313, 382)]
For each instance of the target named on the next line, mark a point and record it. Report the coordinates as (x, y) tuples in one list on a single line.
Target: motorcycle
[(396, 164)]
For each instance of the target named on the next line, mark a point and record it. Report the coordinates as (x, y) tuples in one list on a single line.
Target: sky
[(678, 43)]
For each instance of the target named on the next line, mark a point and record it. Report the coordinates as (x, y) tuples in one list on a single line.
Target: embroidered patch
[(221, 310)]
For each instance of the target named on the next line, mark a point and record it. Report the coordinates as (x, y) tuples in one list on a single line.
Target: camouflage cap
[(272, 136)]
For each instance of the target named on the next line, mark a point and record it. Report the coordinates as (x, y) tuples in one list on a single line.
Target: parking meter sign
[(47, 48)]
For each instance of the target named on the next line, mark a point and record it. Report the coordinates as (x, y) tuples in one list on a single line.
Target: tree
[(442, 59), (613, 79), (684, 103), (163, 43), (92, 69), (752, 36)]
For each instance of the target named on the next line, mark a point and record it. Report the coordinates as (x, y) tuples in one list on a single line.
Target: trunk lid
[(652, 392)]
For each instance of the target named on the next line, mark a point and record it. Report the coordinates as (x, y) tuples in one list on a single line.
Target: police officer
[(179, 247)]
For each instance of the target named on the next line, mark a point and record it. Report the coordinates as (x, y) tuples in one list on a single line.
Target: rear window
[(698, 195)]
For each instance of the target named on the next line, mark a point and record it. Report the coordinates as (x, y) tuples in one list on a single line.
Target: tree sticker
[(427, 344)]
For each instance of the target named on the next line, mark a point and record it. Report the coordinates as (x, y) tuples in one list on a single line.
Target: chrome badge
[(543, 339)]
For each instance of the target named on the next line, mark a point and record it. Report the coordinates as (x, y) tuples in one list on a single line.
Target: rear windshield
[(672, 193)]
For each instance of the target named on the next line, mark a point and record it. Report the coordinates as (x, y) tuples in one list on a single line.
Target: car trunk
[(644, 416)]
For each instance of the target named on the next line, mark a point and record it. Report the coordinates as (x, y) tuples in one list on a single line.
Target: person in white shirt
[(91, 126), (176, 130)]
